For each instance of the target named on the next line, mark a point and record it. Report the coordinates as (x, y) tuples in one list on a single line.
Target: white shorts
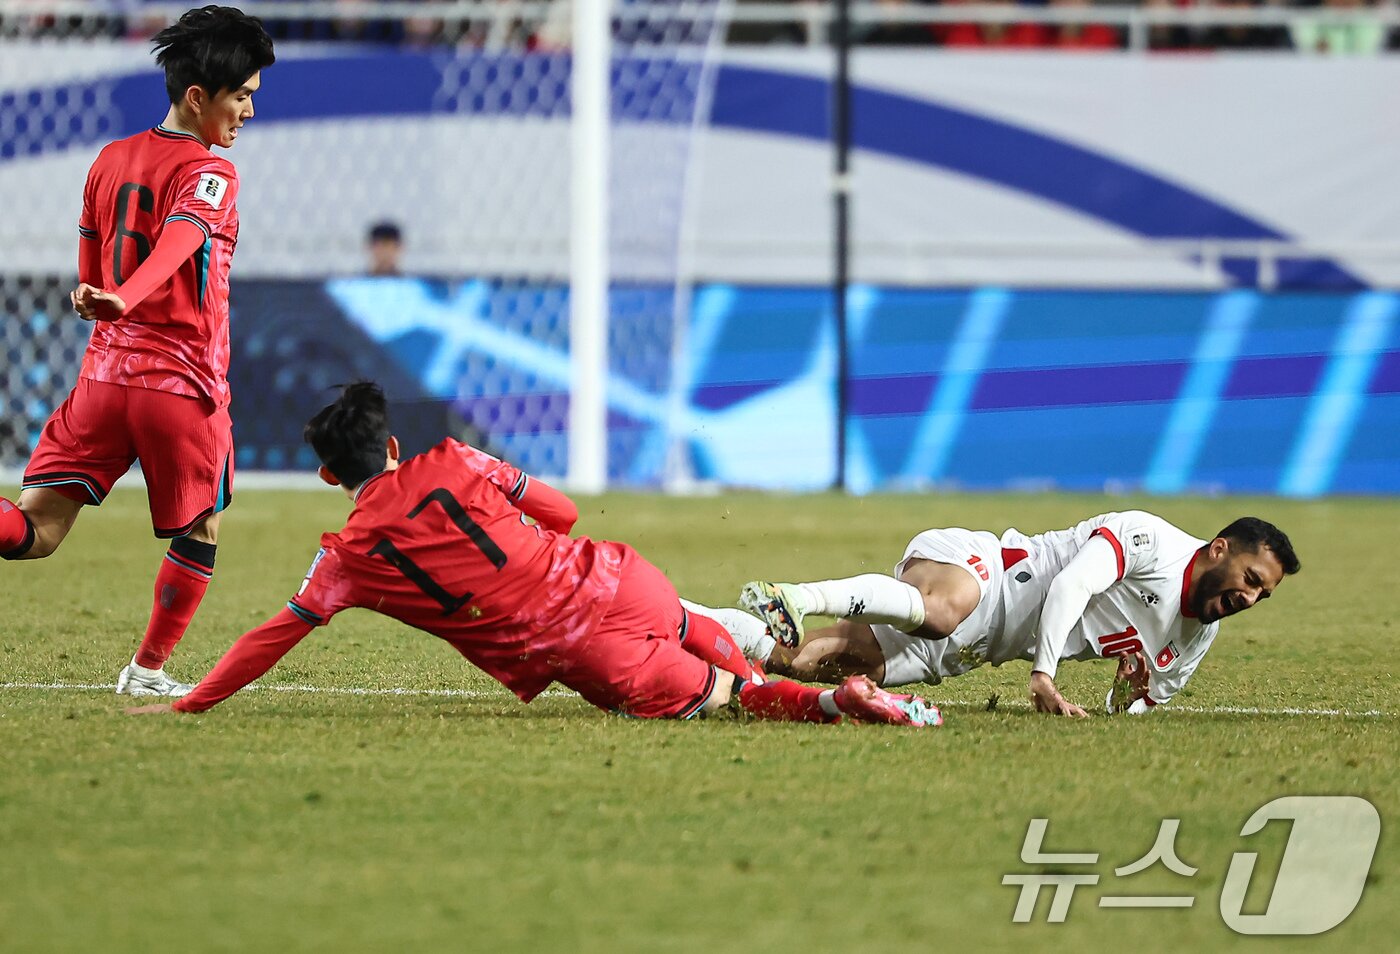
[(911, 659)]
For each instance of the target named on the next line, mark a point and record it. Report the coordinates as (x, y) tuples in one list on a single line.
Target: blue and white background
[(1016, 320), (1295, 393)]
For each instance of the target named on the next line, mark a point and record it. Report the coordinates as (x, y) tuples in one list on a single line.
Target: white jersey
[(1145, 610)]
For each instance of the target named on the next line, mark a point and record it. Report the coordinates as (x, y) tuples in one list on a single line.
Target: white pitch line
[(325, 690), (562, 693), (1172, 707)]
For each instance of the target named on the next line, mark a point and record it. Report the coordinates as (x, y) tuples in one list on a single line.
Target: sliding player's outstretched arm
[(250, 658), (325, 591)]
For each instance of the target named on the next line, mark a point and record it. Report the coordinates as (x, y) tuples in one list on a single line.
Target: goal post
[(590, 92)]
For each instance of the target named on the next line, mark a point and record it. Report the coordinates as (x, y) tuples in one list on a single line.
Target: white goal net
[(456, 129)]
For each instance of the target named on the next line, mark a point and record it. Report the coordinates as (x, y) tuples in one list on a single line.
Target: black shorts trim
[(221, 502), (305, 615), (164, 534), (58, 478)]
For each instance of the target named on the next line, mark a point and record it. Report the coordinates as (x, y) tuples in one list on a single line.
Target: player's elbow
[(551, 508), (568, 515)]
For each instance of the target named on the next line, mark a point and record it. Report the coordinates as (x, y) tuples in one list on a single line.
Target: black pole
[(840, 190)]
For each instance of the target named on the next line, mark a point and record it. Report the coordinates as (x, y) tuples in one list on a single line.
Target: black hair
[(216, 48), (1251, 533), (385, 232), (349, 435)]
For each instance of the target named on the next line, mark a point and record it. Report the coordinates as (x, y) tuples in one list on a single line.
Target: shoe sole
[(147, 691), (764, 601), (929, 716), (126, 687), (887, 708)]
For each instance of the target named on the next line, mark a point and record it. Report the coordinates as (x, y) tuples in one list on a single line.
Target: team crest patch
[(211, 189), (1166, 657), (1139, 540)]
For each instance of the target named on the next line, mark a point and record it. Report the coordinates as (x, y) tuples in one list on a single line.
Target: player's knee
[(42, 548), (949, 594), (36, 550), (722, 692), (831, 651), (207, 530), (941, 618), (47, 538), (51, 515), (807, 663)]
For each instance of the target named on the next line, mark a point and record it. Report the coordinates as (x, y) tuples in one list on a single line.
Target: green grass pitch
[(299, 821)]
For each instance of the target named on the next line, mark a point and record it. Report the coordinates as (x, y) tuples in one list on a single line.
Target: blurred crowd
[(1309, 29), (1305, 32)]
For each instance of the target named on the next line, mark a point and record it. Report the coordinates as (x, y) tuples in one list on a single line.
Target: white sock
[(827, 700), (139, 670), (870, 598), (748, 632)]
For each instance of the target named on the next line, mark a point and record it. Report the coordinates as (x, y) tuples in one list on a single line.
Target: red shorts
[(185, 450), (633, 663)]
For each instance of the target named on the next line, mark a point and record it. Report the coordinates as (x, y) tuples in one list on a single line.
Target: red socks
[(16, 532), (785, 701), (184, 576), (777, 699), (706, 638)]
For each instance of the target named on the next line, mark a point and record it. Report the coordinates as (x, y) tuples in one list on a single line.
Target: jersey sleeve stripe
[(182, 217), (305, 615), (87, 233), (1107, 534), (521, 485)]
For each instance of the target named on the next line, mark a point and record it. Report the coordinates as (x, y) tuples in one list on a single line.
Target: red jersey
[(440, 543), (176, 339)]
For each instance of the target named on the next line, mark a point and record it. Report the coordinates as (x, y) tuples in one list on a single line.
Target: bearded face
[(1239, 581)]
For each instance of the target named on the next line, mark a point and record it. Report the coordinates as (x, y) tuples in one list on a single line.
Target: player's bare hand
[(1064, 707), (108, 305), (1132, 669), (156, 709), (93, 304), (1046, 698), (83, 302), (1129, 682)]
